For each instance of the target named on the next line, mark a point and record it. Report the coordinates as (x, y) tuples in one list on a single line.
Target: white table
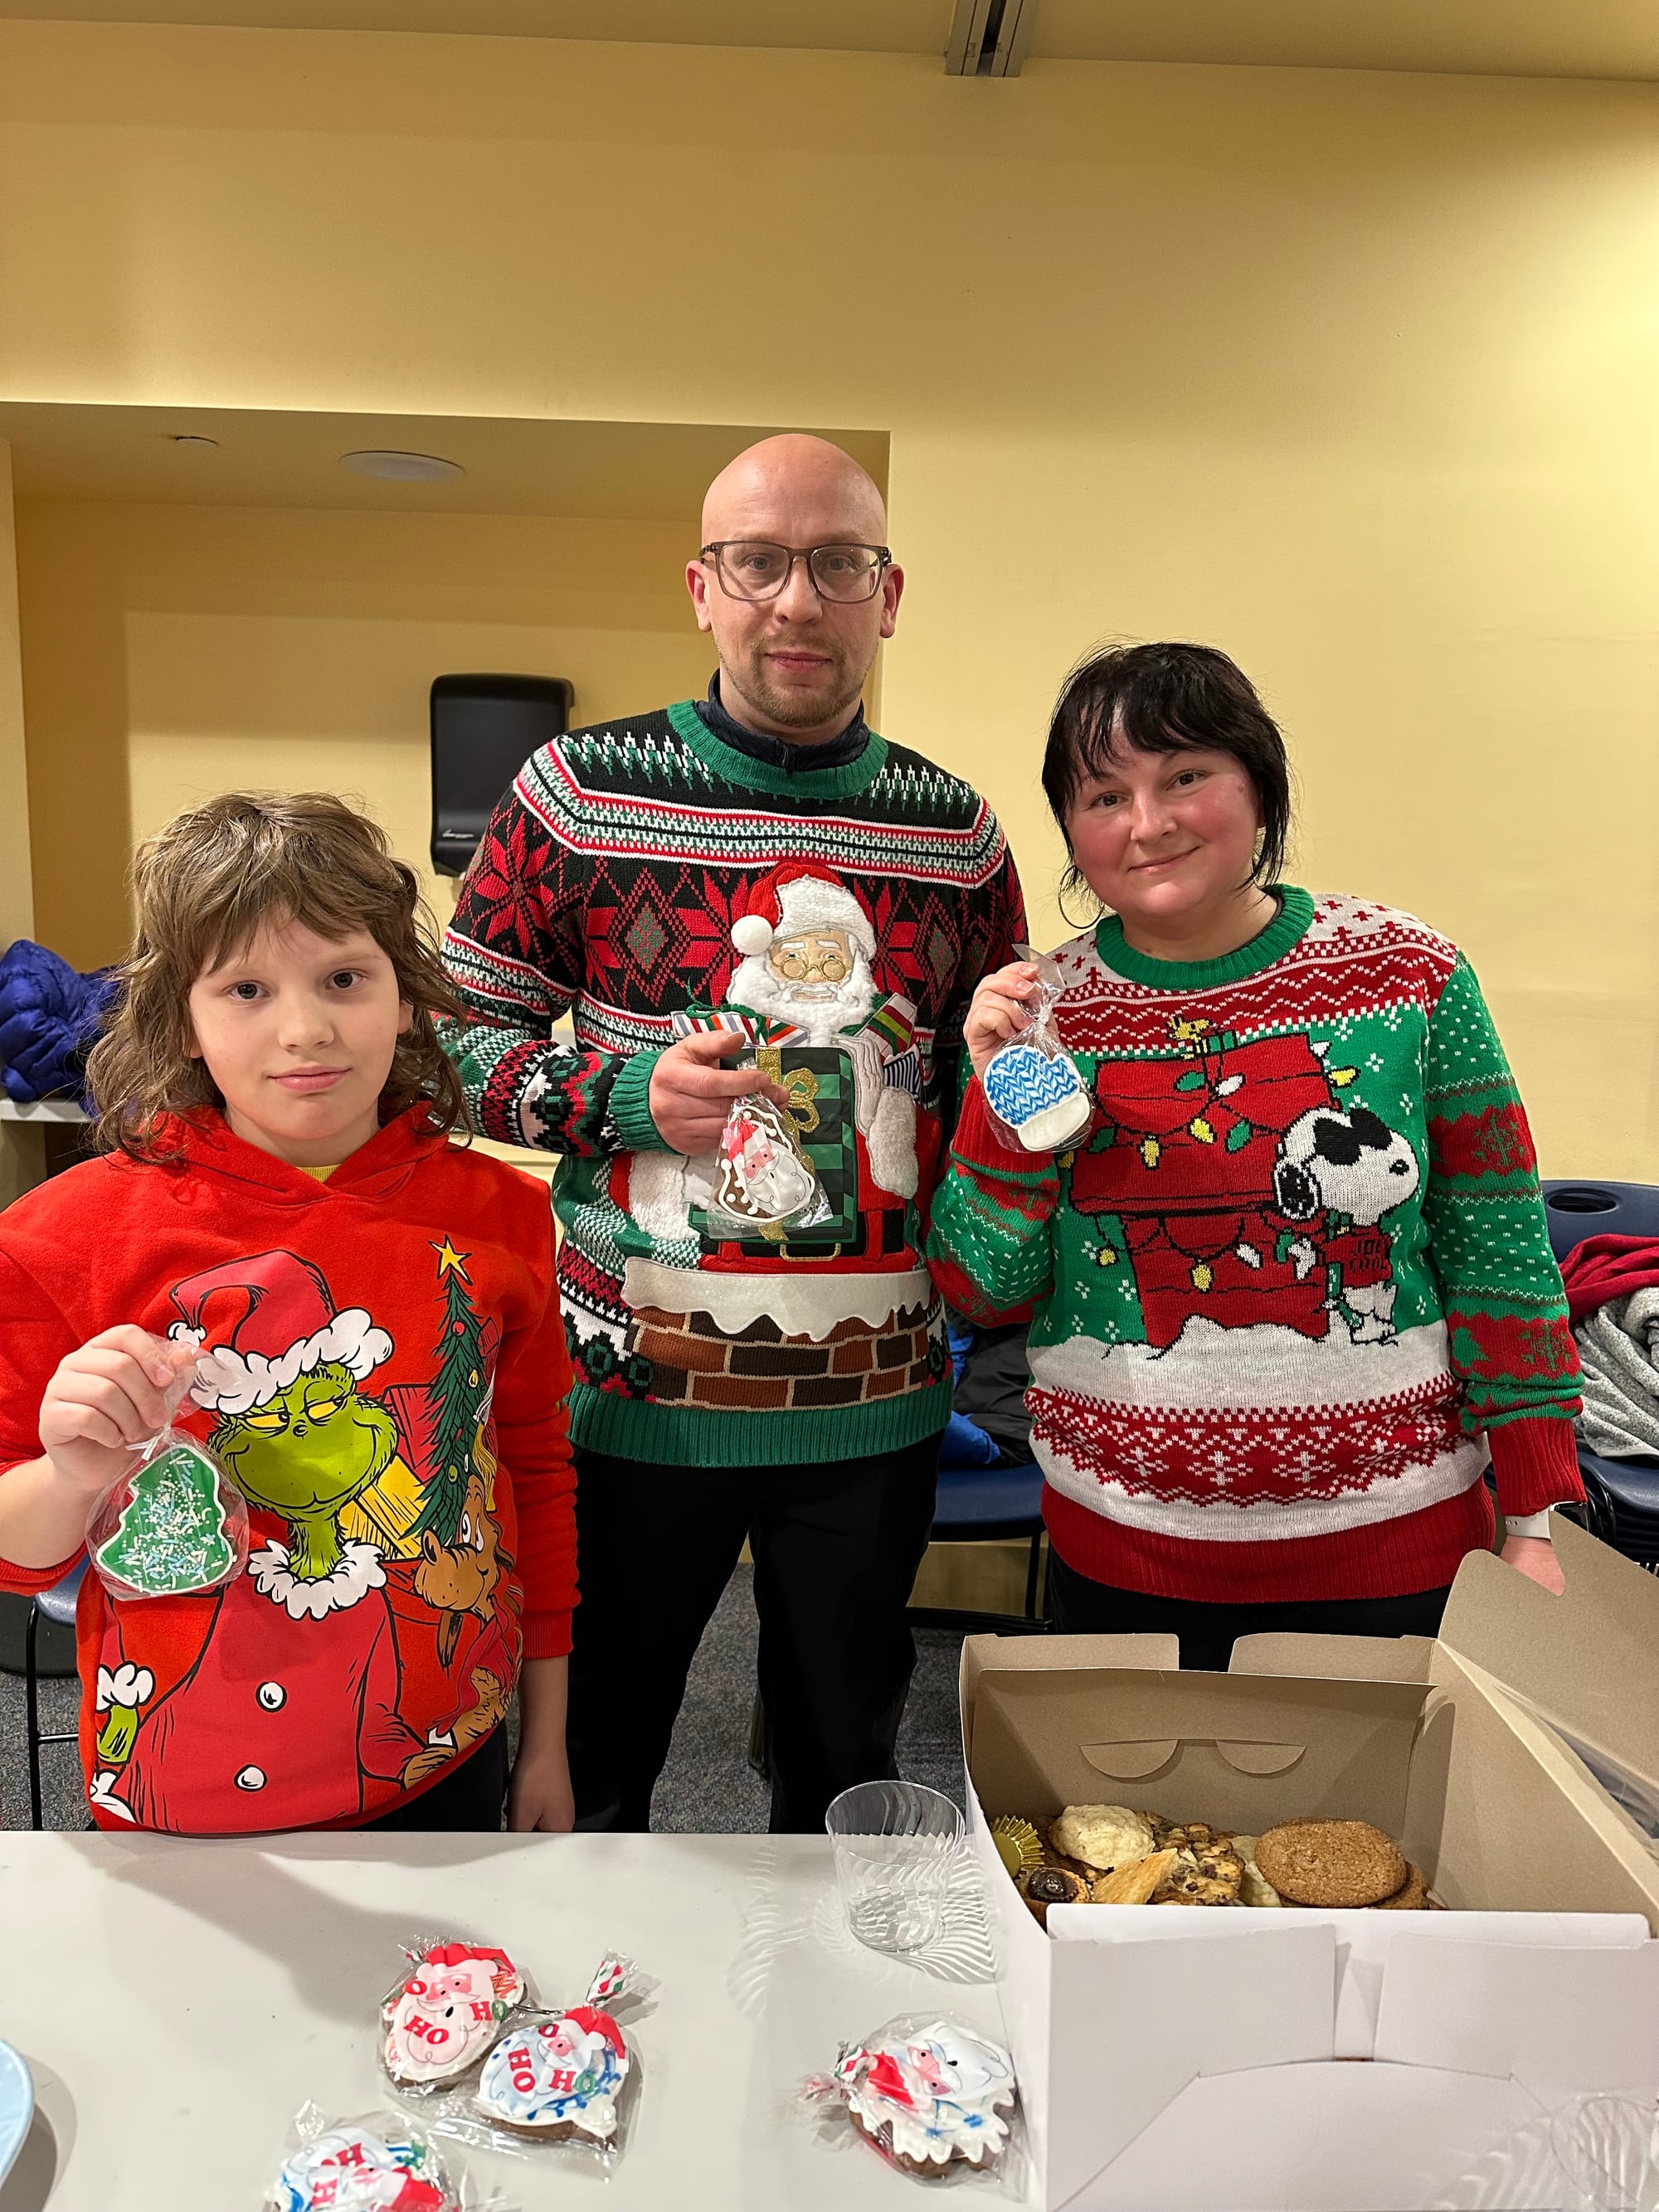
[(177, 2003)]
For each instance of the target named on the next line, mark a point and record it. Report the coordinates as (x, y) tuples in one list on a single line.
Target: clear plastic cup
[(896, 1846)]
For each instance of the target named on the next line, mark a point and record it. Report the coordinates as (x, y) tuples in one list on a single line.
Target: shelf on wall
[(41, 1110)]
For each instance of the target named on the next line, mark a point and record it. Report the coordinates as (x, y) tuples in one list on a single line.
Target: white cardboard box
[(1186, 2061)]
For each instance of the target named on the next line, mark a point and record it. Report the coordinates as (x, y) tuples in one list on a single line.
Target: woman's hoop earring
[(1071, 881)]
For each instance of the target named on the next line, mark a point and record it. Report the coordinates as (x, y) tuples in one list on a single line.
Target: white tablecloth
[(178, 2002)]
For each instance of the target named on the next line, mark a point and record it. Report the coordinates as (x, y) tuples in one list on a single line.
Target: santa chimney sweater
[(382, 1354), (1293, 1286), (607, 886)]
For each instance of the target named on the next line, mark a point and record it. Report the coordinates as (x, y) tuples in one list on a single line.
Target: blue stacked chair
[(1622, 1495)]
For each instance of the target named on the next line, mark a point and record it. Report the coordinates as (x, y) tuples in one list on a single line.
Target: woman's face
[(1166, 838)]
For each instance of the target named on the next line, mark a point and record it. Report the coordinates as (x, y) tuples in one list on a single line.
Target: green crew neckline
[(843, 782), (1286, 928)]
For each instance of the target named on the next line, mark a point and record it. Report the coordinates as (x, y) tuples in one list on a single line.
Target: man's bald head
[(793, 663), (793, 474)]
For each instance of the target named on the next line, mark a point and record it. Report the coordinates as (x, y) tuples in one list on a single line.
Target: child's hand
[(104, 1397), (540, 1796), (999, 1012)]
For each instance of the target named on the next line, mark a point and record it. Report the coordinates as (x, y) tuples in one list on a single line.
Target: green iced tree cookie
[(172, 1535)]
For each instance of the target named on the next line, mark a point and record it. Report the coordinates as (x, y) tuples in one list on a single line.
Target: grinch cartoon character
[(308, 1698)]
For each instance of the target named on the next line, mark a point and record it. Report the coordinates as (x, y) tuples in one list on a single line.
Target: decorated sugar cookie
[(446, 2013), (351, 2170), (929, 2095), (1039, 1095), (760, 1176), (562, 2076)]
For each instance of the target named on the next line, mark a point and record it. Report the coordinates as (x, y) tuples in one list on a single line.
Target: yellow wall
[(173, 652), (1353, 375)]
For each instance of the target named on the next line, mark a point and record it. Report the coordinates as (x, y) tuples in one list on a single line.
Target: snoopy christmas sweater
[(381, 1371), (608, 886), (1292, 1287)]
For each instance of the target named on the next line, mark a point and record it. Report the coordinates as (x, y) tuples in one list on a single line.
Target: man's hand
[(691, 1093), (1534, 1557)]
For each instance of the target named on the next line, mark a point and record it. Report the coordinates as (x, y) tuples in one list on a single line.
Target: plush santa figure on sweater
[(806, 946)]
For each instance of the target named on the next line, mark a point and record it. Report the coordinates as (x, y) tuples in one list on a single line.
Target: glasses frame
[(716, 548)]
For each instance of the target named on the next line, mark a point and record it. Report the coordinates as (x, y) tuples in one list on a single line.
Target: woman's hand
[(1534, 1557), (106, 1398), (1000, 1012)]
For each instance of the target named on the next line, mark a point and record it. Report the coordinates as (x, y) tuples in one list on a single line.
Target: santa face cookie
[(561, 2077), (349, 2170), (448, 2011), (930, 2096)]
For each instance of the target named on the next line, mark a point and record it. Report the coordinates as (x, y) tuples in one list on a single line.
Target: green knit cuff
[(630, 1104)]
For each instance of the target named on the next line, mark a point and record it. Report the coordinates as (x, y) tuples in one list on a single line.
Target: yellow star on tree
[(448, 1257)]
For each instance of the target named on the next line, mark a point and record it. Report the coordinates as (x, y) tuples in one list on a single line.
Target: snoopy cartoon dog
[(1353, 1164)]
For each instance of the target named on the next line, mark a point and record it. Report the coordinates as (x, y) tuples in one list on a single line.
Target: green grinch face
[(310, 1450)]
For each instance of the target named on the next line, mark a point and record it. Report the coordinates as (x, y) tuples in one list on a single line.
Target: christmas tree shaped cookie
[(172, 1536)]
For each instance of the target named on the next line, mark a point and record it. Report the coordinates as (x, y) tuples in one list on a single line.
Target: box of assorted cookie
[(1338, 1929)]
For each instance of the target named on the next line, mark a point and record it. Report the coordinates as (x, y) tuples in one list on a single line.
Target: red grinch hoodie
[(381, 1353)]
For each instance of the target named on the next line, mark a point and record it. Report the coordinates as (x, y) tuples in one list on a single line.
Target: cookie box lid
[(1242, 1751)]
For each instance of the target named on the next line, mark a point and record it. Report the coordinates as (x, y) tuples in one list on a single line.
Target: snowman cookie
[(928, 2096), (351, 2170), (447, 2013)]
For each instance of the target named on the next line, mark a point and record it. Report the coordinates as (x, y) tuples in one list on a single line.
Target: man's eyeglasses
[(750, 568)]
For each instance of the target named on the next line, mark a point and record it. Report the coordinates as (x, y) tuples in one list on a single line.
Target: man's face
[(794, 665), (813, 966)]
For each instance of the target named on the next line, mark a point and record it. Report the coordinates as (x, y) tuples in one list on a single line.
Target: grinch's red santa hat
[(289, 1327), (795, 900)]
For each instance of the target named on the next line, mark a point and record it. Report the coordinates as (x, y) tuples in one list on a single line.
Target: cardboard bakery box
[(1181, 2061)]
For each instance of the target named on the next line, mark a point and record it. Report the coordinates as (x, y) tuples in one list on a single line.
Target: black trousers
[(468, 1799), (836, 1549), (1078, 1607)]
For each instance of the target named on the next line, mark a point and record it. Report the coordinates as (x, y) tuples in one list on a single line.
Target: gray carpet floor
[(707, 1787)]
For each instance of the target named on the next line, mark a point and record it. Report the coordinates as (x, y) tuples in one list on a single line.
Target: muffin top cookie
[(1101, 1836), (1334, 1864)]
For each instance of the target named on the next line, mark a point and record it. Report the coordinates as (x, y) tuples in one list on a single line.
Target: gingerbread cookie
[(1337, 1864), (446, 2013), (1102, 1837), (350, 2167), (1411, 1896), (557, 2077), (929, 2097)]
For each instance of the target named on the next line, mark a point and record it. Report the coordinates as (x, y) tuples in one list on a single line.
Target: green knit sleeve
[(1506, 1313), (990, 1244)]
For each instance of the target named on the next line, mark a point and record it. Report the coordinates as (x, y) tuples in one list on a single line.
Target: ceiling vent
[(989, 38)]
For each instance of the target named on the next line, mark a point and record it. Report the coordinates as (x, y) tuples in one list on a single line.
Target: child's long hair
[(204, 889)]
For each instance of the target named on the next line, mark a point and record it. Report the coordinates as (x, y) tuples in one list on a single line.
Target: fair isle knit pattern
[(1294, 1286), (605, 888)]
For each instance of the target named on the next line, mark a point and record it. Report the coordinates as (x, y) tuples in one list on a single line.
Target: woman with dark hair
[(1292, 1289)]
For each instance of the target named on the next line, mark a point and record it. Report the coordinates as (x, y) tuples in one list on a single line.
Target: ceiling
[(617, 471), (1529, 38)]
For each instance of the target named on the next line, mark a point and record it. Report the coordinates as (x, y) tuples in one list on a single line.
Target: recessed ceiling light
[(192, 443), (401, 468)]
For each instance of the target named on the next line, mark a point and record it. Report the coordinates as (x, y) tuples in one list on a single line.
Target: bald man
[(765, 922)]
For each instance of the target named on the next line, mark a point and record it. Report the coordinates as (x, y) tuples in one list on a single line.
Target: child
[(368, 1314)]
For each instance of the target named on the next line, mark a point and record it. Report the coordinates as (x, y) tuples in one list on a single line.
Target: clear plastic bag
[(445, 2012), (933, 2097), (761, 1176), (378, 2164), (175, 1523), (557, 2082), (1032, 1084)]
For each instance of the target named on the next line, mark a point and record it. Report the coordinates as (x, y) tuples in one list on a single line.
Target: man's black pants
[(835, 1550)]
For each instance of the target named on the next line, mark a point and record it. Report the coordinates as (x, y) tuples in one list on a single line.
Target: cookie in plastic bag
[(932, 2095), (445, 2013), (375, 2165), (174, 1523), (1032, 1083)]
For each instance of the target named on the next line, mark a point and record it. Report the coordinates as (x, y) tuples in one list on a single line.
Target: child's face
[(298, 1031)]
